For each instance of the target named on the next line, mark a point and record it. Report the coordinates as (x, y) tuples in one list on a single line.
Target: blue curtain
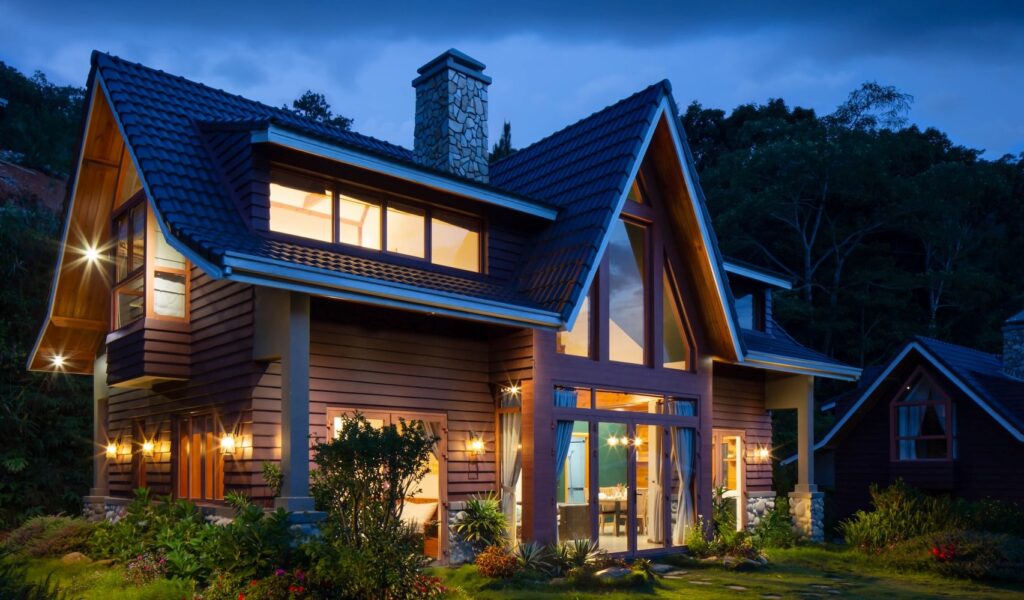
[(564, 398)]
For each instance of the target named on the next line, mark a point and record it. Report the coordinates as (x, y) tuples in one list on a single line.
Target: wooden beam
[(99, 162), (73, 323)]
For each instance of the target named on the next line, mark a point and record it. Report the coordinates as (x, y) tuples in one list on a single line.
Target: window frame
[(383, 200), (918, 376), (650, 311), (675, 292), (216, 480), (147, 270)]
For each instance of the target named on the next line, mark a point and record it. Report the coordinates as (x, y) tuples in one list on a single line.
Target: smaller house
[(942, 417)]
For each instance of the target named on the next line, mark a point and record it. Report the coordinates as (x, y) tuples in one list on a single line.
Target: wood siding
[(984, 467), (222, 375), (739, 405), (148, 348)]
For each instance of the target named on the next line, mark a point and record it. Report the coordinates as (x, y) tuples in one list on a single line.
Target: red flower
[(241, 597)]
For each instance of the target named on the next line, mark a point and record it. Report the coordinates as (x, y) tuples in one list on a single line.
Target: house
[(944, 418), (237, 279)]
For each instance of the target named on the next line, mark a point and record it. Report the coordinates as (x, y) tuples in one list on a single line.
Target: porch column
[(540, 519), (295, 408), (95, 502), (806, 503)]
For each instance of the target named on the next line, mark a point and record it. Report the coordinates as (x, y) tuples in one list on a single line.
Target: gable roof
[(977, 374), (775, 349)]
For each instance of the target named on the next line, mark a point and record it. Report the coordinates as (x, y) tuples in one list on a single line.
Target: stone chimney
[(1013, 346), (451, 115)]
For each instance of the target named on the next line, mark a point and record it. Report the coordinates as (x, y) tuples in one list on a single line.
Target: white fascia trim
[(264, 271), (208, 267), (705, 228), (588, 280), (786, 364), (758, 276), (827, 406), (283, 137), (67, 225)]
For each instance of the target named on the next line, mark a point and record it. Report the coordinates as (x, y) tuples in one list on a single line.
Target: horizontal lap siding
[(221, 378), (738, 403)]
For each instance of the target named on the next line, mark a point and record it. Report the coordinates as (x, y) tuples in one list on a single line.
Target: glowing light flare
[(147, 448), (111, 450), (91, 254), (58, 361), (476, 445), (227, 443)]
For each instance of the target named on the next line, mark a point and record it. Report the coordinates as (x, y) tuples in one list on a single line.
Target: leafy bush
[(723, 513), (964, 554), (273, 477), (497, 562), (900, 513), (49, 536), (482, 522), (577, 554), (533, 558), (255, 544), (775, 529), (362, 479)]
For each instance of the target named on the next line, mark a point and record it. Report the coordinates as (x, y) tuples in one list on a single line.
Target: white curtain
[(564, 398), (655, 502), (683, 449), (909, 423), (511, 459), (434, 429)]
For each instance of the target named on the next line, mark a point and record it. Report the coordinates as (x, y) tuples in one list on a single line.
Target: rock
[(613, 573), (736, 588), (661, 568), (556, 581), (729, 562), (74, 558)]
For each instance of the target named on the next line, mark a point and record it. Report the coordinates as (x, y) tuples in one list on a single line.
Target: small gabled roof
[(775, 348), (979, 375)]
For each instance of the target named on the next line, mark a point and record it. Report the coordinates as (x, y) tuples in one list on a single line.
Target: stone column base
[(808, 510), (459, 552), (759, 504), (104, 508)]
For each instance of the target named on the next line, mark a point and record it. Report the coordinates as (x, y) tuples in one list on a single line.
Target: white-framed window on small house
[(923, 421)]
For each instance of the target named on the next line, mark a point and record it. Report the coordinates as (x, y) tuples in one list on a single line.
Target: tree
[(313, 105), (503, 148), (41, 122)]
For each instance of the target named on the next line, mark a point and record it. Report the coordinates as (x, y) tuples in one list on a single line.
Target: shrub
[(49, 536), (145, 569), (581, 555), (775, 530), (723, 513), (273, 477), (481, 522), (533, 558), (427, 587), (697, 543), (255, 544), (362, 479), (900, 513), (497, 562)]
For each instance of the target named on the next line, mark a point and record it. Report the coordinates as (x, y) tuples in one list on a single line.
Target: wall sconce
[(475, 445), (111, 450), (147, 448), (762, 454), (227, 444), (511, 389)]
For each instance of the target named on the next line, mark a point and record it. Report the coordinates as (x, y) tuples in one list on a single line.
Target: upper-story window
[(676, 351), (750, 310), (627, 292), (924, 421), (576, 341), (307, 208), (150, 277)]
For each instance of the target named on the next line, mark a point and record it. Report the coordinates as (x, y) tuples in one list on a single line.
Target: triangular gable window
[(677, 350), (636, 192), (923, 421)]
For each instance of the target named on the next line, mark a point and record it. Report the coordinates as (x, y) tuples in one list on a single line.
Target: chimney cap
[(455, 60)]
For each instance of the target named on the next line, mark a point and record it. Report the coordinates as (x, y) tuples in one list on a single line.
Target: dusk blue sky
[(556, 62)]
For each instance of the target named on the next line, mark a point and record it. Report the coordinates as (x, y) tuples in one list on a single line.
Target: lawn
[(806, 572)]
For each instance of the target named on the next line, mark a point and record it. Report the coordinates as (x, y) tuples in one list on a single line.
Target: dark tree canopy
[(42, 121), (503, 148), (315, 106)]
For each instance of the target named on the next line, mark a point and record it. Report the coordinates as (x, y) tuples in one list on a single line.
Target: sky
[(554, 63)]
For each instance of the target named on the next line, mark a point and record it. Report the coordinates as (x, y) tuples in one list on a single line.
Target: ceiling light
[(58, 361), (92, 254)]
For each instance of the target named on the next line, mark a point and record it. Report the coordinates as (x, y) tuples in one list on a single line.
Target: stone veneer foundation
[(808, 510), (759, 504)]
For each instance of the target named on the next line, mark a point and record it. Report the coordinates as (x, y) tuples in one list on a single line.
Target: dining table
[(612, 504)]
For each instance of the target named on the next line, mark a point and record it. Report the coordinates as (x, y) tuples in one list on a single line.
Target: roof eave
[(276, 273), (757, 275), (281, 136), (788, 364)]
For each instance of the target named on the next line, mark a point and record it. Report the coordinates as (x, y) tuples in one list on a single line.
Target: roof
[(979, 375), (775, 346), (742, 268)]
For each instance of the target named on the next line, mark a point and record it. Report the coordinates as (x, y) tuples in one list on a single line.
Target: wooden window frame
[(668, 275), (138, 454), (918, 376), (650, 311), (718, 437), (384, 200), (147, 270), (592, 325)]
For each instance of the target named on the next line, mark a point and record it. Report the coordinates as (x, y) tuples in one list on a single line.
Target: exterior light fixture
[(475, 445), (512, 389), (111, 450), (762, 454), (147, 448), (227, 444), (92, 254), (58, 361)]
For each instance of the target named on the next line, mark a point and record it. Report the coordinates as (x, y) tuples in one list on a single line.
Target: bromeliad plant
[(481, 522)]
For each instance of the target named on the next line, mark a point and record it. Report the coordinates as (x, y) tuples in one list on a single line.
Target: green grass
[(805, 572), (97, 582)]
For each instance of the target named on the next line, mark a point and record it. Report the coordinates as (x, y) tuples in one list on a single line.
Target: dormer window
[(308, 208), (750, 310)]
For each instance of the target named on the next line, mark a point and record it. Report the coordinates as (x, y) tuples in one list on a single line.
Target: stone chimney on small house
[(451, 115), (1013, 346)]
